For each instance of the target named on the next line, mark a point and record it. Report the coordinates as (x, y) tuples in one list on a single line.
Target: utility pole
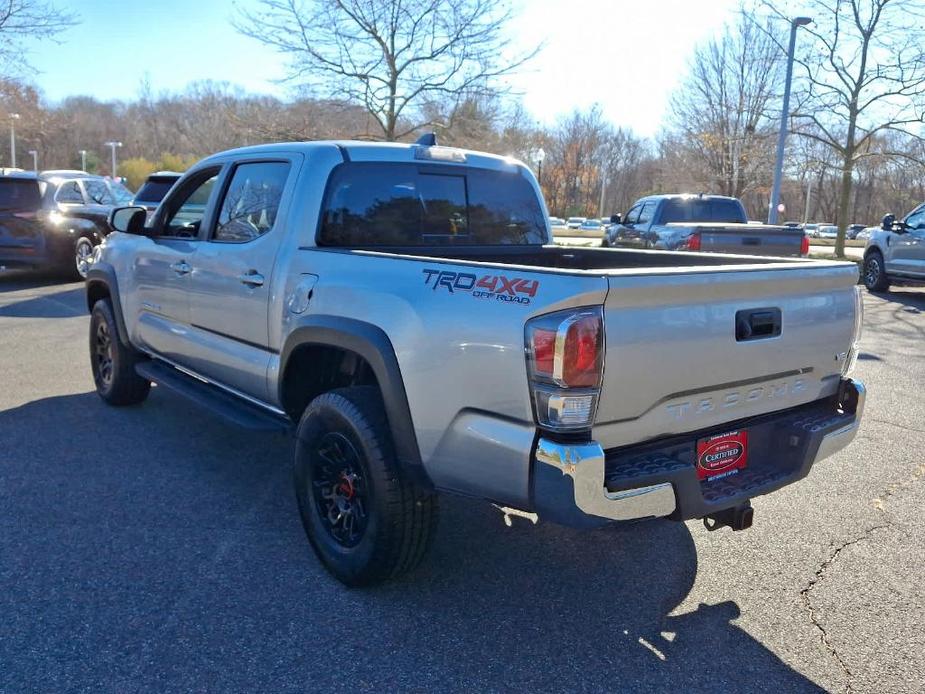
[(35, 160), (603, 190), (83, 160), (784, 116), (809, 197), (13, 118), (113, 146)]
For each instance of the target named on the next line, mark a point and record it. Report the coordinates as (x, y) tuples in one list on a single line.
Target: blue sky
[(625, 55)]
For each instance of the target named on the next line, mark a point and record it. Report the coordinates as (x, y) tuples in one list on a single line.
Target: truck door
[(908, 249), (162, 267), (231, 284)]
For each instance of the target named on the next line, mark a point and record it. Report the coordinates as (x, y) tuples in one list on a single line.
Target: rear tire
[(83, 251), (875, 277), (365, 519), (112, 363)]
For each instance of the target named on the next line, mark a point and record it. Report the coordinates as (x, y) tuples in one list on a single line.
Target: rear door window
[(386, 204), (69, 193), (98, 193)]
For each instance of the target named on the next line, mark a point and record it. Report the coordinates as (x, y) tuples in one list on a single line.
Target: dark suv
[(154, 189), (52, 220)]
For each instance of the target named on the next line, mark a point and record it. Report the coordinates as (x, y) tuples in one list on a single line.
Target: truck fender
[(101, 281), (372, 344)]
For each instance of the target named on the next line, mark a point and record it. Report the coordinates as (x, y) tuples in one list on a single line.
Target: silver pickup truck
[(895, 253), (704, 223), (400, 308)]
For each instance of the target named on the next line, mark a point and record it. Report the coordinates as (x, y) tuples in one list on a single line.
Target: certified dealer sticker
[(722, 455)]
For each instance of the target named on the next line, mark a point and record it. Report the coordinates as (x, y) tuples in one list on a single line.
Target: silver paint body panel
[(669, 332)]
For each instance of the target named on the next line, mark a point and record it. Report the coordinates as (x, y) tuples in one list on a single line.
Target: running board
[(236, 410)]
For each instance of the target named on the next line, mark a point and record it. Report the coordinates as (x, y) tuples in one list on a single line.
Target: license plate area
[(722, 455)]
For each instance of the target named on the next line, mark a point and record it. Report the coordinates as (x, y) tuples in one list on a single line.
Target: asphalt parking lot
[(158, 548)]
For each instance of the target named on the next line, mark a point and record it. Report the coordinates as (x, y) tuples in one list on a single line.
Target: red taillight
[(804, 245), (565, 360), (544, 351), (693, 241), (581, 354), (567, 348)]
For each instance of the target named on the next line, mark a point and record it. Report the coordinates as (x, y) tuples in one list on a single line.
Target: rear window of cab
[(394, 204)]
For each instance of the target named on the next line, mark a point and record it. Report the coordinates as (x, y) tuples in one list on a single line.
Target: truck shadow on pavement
[(156, 546)]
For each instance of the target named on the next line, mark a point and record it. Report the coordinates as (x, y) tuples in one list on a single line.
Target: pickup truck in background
[(401, 308), (705, 223), (895, 253)]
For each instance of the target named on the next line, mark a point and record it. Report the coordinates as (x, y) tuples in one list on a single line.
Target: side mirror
[(615, 219), (129, 220)]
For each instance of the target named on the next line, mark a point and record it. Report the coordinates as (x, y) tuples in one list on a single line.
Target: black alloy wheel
[(340, 489)]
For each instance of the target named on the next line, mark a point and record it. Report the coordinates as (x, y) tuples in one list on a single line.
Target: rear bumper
[(581, 484)]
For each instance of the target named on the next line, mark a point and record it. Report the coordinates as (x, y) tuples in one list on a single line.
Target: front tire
[(875, 277), (365, 519), (112, 363)]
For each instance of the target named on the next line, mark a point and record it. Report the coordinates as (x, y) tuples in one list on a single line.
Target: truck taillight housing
[(693, 241), (565, 362), (804, 245)]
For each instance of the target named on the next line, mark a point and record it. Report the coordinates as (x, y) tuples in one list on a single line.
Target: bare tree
[(721, 119), (863, 78), (21, 20), (391, 56)]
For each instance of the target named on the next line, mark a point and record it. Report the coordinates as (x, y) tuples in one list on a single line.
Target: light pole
[(13, 118), (113, 145), (603, 190), (35, 160), (784, 115), (83, 159), (540, 155)]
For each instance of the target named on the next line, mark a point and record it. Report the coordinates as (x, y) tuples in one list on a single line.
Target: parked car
[(154, 189), (575, 222), (707, 223), (402, 309), (865, 234), (827, 231), (556, 222), (589, 228), (853, 230), (53, 220), (895, 252)]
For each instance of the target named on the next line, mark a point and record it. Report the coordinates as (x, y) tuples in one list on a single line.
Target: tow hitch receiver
[(738, 518)]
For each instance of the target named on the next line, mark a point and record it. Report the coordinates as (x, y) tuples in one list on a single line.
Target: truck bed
[(554, 257), (675, 359)]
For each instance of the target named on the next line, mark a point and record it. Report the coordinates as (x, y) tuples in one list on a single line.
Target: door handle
[(181, 268), (252, 279)]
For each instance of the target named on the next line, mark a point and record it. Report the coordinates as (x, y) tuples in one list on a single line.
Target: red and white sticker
[(723, 454)]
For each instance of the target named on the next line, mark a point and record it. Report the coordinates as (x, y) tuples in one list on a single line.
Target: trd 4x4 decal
[(496, 287)]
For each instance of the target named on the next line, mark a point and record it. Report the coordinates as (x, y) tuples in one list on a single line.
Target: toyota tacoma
[(401, 308)]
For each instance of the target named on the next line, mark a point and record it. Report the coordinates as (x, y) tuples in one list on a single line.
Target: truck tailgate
[(753, 239), (675, 363)]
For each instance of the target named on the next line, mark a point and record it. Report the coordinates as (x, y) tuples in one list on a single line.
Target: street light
[(35, 160), (539, 156), (784, 115), (13, 118), (113, 145), (83, 159)]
